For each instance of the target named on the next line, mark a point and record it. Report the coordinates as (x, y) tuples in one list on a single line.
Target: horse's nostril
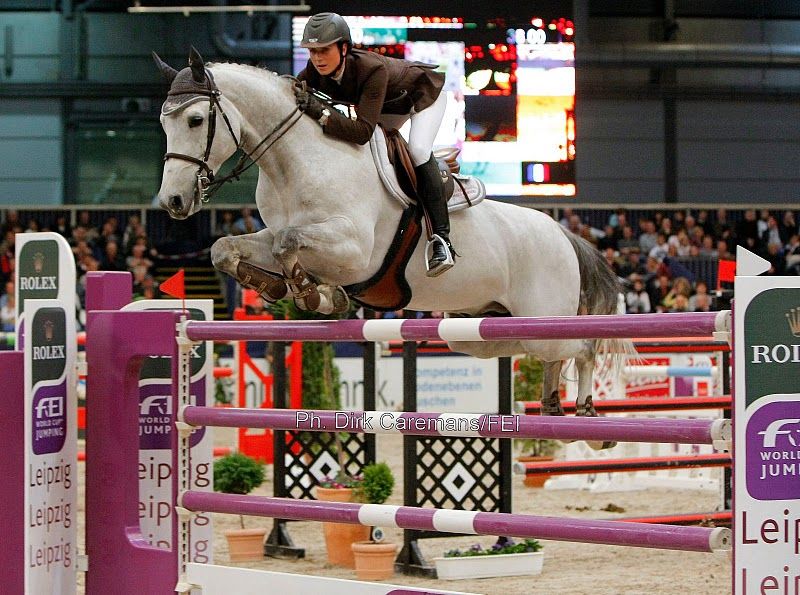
[(175, 203)]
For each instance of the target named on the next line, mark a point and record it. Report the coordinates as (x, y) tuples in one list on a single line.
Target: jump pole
[(623, 465), (622, 429), (612, 326), (695, 539), (632, 405)]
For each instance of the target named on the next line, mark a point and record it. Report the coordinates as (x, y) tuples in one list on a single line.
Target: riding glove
[(306, 102)]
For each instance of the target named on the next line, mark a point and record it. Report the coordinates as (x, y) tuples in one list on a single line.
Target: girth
[(388, 289)]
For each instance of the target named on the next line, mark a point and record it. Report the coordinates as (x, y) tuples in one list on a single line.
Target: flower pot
[(538, 480), (339, 537), (246, 545), (374, 561), (489, 566)]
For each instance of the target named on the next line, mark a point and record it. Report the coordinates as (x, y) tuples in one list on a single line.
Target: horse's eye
[(195, 121)]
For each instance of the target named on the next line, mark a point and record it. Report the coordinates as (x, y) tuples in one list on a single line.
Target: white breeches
[(424, 127)]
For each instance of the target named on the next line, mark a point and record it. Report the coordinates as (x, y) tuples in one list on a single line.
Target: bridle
[(207, 184)]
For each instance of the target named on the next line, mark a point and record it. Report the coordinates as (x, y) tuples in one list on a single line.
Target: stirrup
[(444, 265)]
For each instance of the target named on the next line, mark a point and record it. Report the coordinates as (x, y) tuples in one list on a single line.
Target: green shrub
[(377, 484), (528, 381), (237, 474)]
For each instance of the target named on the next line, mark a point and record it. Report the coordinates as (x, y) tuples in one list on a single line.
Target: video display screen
[(511, 91)]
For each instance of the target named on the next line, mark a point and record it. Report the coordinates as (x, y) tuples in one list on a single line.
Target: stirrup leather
[(443, 266)]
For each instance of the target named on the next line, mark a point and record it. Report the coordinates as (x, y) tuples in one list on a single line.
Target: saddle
[(396, 170), (388, 289)]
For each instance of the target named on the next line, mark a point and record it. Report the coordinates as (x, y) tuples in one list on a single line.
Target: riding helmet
[(325, 28)]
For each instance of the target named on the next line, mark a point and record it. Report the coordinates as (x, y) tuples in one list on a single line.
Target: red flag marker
[(174, 286), (726, 272)]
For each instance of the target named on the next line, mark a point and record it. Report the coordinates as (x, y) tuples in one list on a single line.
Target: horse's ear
[(167, 71), (197, 65)]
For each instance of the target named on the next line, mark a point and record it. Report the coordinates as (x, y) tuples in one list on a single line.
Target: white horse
[(330, 222)]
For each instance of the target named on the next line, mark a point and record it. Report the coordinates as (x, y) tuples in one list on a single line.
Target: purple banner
[(155, 417), (49, 415), (773, 451)]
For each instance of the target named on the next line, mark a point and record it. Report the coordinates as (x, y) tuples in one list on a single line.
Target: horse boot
[(439, 252), (270, 286), (551, 405)]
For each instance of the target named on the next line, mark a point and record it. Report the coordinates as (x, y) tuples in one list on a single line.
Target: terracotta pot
[(536, 481), (374, 561), (339, 537), (246, 545)]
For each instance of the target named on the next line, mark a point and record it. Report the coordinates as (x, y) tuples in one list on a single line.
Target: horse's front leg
[(330, 247), (248, 259)]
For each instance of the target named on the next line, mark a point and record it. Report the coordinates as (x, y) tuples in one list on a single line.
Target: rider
[(383, 89)]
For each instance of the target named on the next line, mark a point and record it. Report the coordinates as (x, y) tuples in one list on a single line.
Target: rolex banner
[(767, 435), (51, 475), (45, 270), (156, 423)]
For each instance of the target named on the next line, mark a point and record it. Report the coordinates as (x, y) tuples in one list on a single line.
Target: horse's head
[(202, 132)]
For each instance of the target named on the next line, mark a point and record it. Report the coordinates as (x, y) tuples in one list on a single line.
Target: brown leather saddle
[(388, 289)]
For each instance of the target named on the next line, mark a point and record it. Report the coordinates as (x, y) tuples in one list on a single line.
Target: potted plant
[(504, 558), (237, 473), (374, 559), (528, 380)]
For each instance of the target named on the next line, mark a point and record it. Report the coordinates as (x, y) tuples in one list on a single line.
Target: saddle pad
[(475, 189)]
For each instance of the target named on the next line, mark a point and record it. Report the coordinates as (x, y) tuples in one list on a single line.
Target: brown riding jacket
[(376, 85)]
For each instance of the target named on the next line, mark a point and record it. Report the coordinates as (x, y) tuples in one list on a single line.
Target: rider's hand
[(306, 102)]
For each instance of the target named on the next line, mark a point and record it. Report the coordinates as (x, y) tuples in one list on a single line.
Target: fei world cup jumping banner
[(767, 435), (155, 427), (51, 440)]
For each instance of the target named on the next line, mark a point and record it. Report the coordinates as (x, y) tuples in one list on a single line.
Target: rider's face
[(325, 59)]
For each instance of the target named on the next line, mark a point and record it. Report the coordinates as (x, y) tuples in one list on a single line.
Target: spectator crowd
[(651, 254)]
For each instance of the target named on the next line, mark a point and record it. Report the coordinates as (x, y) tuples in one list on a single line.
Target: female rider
[(389, 90)]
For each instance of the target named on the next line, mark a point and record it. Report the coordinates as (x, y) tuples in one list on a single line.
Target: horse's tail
[(602, 293)]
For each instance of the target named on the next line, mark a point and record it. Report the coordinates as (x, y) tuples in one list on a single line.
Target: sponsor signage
[(51, 478), (445, 383), (155, 433), (767, 436), (45, 270)]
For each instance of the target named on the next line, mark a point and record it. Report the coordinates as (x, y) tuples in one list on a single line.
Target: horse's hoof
[(341, 302), (586, 409), (600, 444)]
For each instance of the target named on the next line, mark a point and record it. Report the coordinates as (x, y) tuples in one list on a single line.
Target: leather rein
[(207, 183)]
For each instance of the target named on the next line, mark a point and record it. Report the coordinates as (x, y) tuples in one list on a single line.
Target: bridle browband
[(207, 184)]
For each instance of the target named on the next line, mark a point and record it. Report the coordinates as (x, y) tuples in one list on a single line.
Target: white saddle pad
[(475, 189)]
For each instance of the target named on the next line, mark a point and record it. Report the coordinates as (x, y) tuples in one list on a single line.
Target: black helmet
[(325, 28)]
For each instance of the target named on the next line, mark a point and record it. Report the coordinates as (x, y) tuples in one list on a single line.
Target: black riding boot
[(430, 189)]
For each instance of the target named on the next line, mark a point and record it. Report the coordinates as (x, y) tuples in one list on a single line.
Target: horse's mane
[(248, 69)]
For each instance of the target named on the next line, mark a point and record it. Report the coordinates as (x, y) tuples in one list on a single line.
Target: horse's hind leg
[(248, 259), (584, 405), (551, 399)]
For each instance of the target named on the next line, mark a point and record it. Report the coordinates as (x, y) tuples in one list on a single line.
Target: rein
[(207, 184)]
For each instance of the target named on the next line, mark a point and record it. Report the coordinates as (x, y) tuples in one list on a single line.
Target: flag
[(726, 272), (174, 286)]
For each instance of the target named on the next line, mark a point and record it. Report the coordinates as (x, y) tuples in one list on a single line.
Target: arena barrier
[(121, 339)]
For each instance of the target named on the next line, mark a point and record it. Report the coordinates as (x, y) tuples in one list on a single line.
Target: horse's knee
[(287, 242), (222, 254)]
